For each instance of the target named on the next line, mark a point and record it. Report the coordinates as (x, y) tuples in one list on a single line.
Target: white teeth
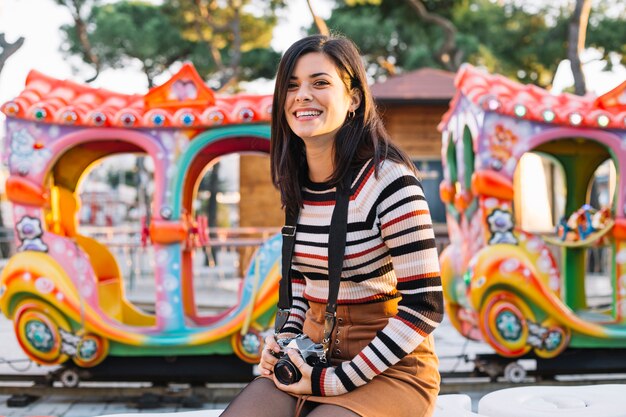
[(308, 113)]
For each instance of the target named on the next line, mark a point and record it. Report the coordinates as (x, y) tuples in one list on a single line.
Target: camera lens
[(286, 372)]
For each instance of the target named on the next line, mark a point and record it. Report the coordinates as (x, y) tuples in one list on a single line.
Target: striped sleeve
[(299, 306), (406, 229)]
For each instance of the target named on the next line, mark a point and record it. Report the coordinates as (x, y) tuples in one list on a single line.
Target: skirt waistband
[(355, 313)]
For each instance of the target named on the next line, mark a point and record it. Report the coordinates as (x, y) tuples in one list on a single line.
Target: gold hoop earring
[(351, 114)]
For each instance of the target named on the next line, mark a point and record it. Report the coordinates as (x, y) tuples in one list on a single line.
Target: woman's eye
[(321, 83), (292, 86)]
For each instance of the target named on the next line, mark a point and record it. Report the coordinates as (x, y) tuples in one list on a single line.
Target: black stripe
[(316, 380), (298, 307), (419, 283), (345, 380), (397, 185), (367, 262), (346, 268), (353, 227), (296, 274), (425, 303), (389, 190), (374, 236), (393, 346), (415, 197), (416, 246), (291, 329), (379, 355), (359, 372), (367, 239), (407, 231), (378, 272), (425, 327)]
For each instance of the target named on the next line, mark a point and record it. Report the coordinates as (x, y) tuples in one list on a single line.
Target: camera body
[(313, 354)]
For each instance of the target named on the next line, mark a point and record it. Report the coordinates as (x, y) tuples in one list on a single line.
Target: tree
[(7, 48), (227, 41), (126, 31), (319, 23), (233, 37), (576, 43), (504, 36), (79, 10)]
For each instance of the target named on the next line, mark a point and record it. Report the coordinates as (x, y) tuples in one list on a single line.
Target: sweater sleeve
[(406, 229), (299, 306)]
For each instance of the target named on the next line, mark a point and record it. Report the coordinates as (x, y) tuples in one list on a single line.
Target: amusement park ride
[(520, 290), (64, 291)]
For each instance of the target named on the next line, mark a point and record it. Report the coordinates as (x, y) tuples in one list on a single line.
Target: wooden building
[(412, 105)]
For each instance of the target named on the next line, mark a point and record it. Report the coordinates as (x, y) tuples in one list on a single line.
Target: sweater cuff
[(316, 380), (329, 384)]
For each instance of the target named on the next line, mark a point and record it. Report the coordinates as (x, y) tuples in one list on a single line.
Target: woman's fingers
[(268, 358), (271, 345)]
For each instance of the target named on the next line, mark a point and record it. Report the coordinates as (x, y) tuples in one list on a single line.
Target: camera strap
[(336, 250)]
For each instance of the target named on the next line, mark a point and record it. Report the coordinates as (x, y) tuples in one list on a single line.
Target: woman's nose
[(303, 94)]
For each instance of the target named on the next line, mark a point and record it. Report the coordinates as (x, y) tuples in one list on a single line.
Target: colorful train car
[(63, 290), (536, 214)]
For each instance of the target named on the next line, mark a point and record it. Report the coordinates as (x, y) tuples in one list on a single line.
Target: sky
[(38, 21)]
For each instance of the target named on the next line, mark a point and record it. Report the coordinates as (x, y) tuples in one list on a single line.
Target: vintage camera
[(313, 353)]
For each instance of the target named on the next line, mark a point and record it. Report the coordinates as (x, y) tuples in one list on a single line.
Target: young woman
[(325, 126)]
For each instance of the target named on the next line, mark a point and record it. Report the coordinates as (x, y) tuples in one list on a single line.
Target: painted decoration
[(64, 291), (532, 186)]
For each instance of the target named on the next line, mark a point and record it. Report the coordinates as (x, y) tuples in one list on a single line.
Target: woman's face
[(317, 100)]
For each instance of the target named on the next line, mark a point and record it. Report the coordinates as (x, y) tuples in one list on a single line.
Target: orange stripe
[(319, 203), (308, 255), (292, 313), (419, 276), (370, 364), (403, 217), (413, 326)]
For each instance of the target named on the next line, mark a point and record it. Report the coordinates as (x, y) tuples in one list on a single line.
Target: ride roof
[(184, 101), (496, 93)]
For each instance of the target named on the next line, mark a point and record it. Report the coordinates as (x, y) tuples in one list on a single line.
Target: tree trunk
[(77, 10), (448, 55), (322, 28), (7, 49), (576, 43)]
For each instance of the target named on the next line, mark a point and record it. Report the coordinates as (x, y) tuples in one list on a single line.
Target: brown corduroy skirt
[(406, 389)]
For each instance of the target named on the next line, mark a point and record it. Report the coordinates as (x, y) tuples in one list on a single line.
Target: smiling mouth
[(307, 113)]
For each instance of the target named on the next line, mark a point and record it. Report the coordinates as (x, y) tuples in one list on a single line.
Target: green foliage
[(125, 31), (504, 37), (221, 41)]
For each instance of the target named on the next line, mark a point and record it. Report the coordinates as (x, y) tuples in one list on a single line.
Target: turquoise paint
[(261, 131)]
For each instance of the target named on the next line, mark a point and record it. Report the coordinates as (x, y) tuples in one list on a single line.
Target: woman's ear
[(355, 98)]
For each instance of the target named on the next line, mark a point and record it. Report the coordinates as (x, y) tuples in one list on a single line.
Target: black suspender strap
[(284, 291), (336, 251)]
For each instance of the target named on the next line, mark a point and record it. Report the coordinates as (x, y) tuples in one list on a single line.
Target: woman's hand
[(268, 360), (304, 385)]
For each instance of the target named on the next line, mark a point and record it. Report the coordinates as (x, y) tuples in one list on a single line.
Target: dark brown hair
[(361, 137)]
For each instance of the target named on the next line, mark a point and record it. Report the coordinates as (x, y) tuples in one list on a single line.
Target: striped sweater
[(390, 252)]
